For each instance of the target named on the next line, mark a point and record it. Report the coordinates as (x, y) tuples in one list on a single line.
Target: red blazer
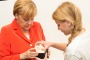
[(13, 42)]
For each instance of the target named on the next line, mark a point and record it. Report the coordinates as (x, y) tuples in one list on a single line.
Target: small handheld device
[(42, 55), (41, 50)]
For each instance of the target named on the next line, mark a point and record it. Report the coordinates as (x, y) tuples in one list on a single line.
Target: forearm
[(60, 46), (23, 56), (11, 57)]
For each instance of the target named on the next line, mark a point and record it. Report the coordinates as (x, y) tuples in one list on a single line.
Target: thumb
[(32, 49)]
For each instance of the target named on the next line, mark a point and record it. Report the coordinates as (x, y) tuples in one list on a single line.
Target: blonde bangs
[(59, 14), (28, 12)]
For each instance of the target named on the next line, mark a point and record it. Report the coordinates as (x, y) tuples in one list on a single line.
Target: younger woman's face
[(64, 26), (24, 24)]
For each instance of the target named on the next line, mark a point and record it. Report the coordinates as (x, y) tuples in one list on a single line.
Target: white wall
[(44, 16)]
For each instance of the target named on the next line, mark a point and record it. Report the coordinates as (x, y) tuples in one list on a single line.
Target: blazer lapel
[(18, 31)]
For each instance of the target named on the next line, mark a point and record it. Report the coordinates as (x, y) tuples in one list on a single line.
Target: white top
[(79, 49), (28, 36)]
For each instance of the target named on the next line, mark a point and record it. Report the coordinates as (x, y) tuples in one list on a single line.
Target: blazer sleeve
[(5, 47), (43, 36)]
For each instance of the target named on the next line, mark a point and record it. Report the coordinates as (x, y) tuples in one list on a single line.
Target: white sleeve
[(72, 57)]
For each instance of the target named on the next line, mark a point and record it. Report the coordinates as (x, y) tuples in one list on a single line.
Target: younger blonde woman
[(69, 21)]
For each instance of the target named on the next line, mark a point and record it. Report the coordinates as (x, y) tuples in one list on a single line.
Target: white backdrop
[(44, 16)]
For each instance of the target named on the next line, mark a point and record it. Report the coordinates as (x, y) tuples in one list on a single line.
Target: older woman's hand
[(29, 54)]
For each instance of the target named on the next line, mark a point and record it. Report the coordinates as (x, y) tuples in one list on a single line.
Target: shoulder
[(6, 28), (36, 23), (72, 53), (80, 46), (79, 41)]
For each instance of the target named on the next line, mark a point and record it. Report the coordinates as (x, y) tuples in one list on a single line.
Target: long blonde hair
[(70, 12), (26, 8)]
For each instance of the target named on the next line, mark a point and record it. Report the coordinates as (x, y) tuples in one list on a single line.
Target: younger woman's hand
[(44, 43)]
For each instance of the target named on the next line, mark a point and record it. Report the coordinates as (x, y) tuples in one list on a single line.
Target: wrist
[(51, 44), (22, 56)]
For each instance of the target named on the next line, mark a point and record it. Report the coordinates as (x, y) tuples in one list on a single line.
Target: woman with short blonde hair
[(17, 39)]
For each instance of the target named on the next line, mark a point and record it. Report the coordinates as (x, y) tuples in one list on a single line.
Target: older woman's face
[(64, 26), (24, 24)]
